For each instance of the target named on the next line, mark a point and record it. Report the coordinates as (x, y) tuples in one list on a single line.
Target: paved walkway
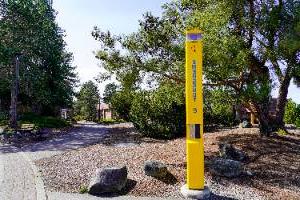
[(84, 134), (21, 180), (19, 177)]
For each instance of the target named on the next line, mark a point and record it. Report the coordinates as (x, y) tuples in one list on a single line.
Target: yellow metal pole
[(252, 119), (194, 110)]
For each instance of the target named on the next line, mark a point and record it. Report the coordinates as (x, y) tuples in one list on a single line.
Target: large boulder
[(227, 151), (226, 167), (108, 180), (155, 169)]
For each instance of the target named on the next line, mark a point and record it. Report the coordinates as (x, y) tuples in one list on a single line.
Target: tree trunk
[(281, 101), (14, 95), (264, 119), (269, 123)]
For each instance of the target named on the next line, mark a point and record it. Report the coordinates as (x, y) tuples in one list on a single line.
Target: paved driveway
[(83, 134), (19, 177), (21, 180)]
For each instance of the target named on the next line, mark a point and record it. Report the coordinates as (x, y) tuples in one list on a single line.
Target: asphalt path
[(19, 177)]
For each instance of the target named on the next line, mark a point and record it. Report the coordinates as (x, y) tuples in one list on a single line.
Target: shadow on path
[(81, 136)]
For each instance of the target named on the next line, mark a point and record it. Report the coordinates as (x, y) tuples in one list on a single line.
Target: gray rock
[(108, 180), (228, 151), (248, 173), (155, 169), (246, 124), (226, 167)]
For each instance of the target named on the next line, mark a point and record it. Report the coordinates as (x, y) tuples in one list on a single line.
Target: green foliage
[(291, 112), (78, 117), (3, 119), (87, 100), (159, 113), (297, 123), (109, 91), (218, 107), (8, 131), (83, 189), (43, 121), (3, 122), (281, 132), (244, 42), (121, 103), (47, 78), (3, 115), (155, 53)]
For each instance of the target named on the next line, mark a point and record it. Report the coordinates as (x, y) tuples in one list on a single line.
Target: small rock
[(226, 167), (227, 151), (248, 173), (155, 169), (108, 180), (246, 124)]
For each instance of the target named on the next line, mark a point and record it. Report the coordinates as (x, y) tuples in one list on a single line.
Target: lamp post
[(14, 92), (194, 117)]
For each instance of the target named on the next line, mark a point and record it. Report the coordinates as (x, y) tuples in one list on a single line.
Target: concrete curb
[(39, 184), (1, 175)]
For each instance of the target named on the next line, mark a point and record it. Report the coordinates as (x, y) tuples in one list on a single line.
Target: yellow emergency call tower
[(194, 116)]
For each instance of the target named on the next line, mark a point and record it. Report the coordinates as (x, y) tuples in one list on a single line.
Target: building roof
[(103, 106), (272, 107)]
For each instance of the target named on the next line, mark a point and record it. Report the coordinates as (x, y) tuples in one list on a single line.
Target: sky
[(78, 17)]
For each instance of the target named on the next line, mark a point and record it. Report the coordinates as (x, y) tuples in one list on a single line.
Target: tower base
[(195, 194)]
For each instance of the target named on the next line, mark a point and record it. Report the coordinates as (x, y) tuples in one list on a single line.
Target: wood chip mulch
[(274, 161)]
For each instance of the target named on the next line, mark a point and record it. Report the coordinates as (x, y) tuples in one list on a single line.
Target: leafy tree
[(159, 113), (252, 49), (121, 103), (292, 112), (250, 46), (46, 79), (297, 123), (218, 107), (87, 101), (109, 91)]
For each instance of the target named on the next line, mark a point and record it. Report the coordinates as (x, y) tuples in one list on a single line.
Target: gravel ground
[(275, 163)]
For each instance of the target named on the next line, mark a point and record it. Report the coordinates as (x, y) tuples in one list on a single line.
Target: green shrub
[(281, 132), (218, 108), (3, 118), (87, 99), (3, 122), (160, 113), (121, 103), (83, 189), (43, 121), (291, 112), (297, 123), (8, 131), (78, 118)]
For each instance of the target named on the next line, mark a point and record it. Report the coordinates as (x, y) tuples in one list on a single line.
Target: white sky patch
[(78, 17)]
